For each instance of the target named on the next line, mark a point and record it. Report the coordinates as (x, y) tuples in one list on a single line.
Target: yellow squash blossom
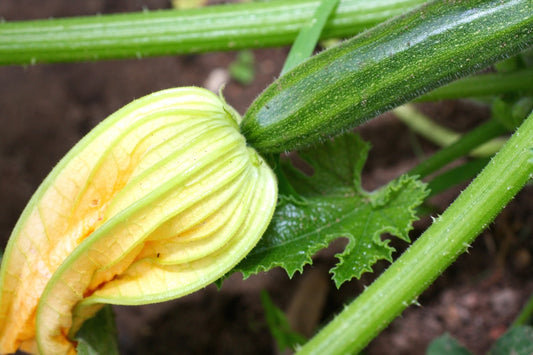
[(159, 200)]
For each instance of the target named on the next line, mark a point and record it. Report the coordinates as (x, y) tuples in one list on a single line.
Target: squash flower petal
[(161, 199)]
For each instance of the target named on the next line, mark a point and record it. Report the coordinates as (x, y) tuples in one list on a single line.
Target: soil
[(46, 109)]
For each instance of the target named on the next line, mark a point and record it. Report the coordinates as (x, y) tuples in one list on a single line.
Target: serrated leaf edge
[(393, 186)]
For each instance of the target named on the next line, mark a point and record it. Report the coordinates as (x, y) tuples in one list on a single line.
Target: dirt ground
[(46, 109)]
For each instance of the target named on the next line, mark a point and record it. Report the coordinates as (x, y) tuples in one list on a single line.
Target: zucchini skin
[(385, 67)]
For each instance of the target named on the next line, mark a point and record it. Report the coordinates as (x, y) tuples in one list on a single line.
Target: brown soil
[(46, 109)]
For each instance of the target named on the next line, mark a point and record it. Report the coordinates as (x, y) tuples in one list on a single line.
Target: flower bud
[(159, 200)]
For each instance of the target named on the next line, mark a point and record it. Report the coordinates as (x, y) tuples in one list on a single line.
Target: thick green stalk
[(384, 67), (164, 32), (449, 236)]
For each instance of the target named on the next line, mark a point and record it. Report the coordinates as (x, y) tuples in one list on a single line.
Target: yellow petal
[(159, 200)]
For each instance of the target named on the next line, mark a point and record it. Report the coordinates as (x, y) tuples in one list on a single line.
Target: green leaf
[(279, 325), (333, 205), (98, 335), (242, 69), (445, 344), (517, 340)]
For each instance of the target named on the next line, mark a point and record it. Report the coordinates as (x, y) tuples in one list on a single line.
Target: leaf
[(334, 205), (242, 69), (98, 334), (279, 326), (445, 344), (517, 340)]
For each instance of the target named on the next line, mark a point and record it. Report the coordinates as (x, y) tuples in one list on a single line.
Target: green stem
[(424, 126), (305, 42), (483, 85), (164, 32), (455, 176), (449, 236), (459, 148)]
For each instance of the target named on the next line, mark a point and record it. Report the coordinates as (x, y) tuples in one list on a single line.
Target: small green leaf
[(445, 344), (517, 340), (334, 205), (98, 335), (279, 325), (242, 69)]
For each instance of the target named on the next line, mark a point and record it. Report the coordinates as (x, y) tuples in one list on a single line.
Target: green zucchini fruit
[(385, 67)]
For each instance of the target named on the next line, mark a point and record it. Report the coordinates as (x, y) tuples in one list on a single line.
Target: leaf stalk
[(169, 32)]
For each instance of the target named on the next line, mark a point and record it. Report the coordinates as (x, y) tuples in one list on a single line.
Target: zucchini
[(385, 67)]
